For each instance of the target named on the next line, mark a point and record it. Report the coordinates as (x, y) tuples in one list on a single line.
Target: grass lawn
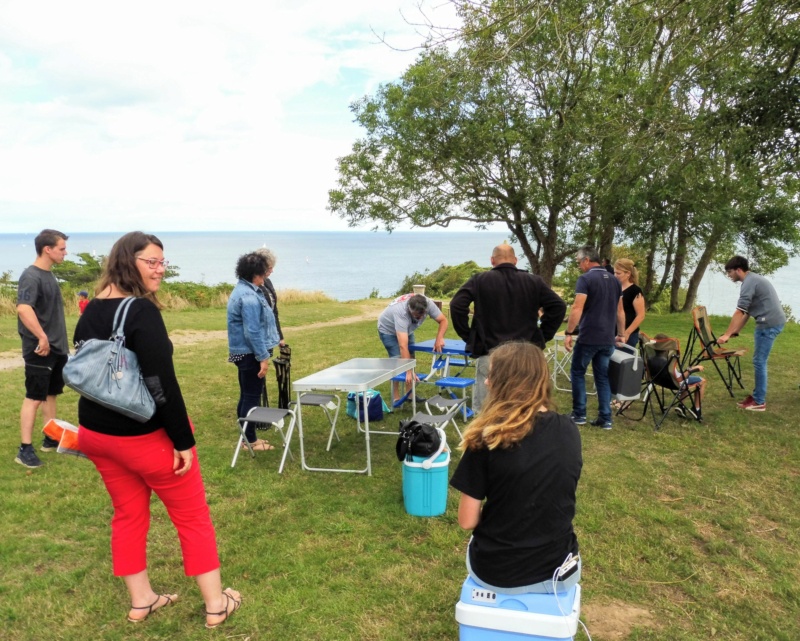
[(689, 533)]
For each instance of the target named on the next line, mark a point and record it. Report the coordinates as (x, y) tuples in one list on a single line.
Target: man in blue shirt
[(757, 298), (599, 319)]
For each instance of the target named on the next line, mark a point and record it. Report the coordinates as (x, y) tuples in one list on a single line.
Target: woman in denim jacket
[(252, 334)]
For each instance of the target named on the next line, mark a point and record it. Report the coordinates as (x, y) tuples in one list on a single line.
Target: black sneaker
[(26, 456), (49, 444), (605, 425), (578, 420)]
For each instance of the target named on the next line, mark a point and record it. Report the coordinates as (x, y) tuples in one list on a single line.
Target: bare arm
[(574, 319), (620, 319), (402, 341), (28, 318), (469, 512), (438, 344)]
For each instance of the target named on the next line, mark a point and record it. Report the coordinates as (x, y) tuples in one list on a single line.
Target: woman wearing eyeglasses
[(252, 333), (134, 459)]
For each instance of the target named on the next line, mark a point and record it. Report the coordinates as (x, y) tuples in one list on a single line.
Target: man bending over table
[(396, 326)]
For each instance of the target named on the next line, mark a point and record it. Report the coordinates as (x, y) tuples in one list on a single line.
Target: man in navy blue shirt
[(598, 318)]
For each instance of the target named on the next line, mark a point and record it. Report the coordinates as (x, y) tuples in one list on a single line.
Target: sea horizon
[(347, 264)]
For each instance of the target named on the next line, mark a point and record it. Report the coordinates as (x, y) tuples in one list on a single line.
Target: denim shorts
[(392, 346)]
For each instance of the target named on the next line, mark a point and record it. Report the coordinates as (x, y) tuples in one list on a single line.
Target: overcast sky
[(172, 115)]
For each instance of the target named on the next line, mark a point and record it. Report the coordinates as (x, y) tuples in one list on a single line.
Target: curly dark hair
[(251, 265)]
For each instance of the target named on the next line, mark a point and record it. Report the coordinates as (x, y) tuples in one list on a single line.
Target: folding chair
[(439, 420), (444, 405), (703, 339), (665, 386), (265, 418), (327, 403)]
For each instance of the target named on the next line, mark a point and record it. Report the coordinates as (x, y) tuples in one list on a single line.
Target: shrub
[(443, 282)]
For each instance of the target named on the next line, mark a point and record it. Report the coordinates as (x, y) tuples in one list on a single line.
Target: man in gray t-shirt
[(41, 324), (757, 298), (396, 327)]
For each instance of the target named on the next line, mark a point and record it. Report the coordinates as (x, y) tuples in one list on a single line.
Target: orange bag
[(66, 434)]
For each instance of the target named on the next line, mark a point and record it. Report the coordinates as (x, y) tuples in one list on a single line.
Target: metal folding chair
[(265, 418), (445, 405), (328, 403), (440, 420)]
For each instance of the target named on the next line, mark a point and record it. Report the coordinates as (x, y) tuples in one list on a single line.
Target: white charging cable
[(569, 563)]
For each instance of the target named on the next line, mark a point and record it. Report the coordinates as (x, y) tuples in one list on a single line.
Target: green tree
[(81, 273), (668, 125)]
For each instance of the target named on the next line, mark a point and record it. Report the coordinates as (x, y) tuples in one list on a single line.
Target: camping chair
[(444, 405), (664, 390), (265, 418), (327, 403), (702, 339), (439, 420)]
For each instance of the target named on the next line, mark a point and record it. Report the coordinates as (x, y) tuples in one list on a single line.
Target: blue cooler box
[(425, 484), (484, 615)]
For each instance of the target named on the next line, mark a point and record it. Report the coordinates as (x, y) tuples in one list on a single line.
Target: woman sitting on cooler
[(524, 460)]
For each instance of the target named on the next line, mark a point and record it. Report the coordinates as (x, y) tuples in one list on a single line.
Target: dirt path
[(369, 310)]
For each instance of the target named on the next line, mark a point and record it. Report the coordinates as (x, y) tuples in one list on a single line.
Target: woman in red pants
[(135, 459)]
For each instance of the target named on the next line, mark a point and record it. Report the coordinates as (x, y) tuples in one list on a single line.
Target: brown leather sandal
[(226, 612), (150, 608)]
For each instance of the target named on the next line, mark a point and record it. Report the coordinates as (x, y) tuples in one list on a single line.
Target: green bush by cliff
[(442, 282)]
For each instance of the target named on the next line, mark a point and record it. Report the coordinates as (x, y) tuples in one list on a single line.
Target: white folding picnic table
[(355, 375)]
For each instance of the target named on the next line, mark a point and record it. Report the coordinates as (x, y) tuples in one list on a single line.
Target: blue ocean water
[(345, 265)]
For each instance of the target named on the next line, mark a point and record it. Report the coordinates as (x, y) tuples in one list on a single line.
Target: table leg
[(366, 431)]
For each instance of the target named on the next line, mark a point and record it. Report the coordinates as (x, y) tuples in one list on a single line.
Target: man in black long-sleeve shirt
[(507, 302)]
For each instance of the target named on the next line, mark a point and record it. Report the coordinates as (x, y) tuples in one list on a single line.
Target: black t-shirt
[(146, 335), (525, 529), (628, 296)]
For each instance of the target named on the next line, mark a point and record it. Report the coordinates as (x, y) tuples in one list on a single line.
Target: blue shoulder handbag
[(107, 372)]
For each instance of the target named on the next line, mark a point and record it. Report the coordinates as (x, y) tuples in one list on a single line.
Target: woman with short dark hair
[(252, 333)]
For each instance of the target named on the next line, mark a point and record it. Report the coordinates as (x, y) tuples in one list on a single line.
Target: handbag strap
[(118, 330)]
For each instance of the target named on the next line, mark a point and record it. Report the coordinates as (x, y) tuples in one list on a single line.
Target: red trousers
[(132, 467)]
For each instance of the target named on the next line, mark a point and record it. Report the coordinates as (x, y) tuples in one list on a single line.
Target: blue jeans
[(599, 356), (544, 587), (764, 338), (250, 386)]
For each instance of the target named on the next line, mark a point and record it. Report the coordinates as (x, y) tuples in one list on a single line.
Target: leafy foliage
[(81, 273), (442, 283), (671, 126)]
